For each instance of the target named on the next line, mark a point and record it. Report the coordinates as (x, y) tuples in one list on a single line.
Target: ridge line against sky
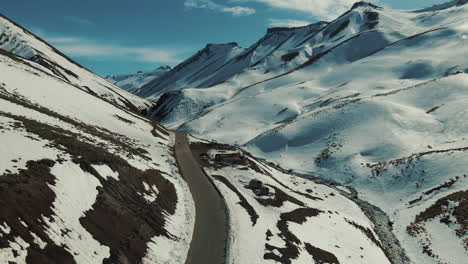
[(121, 36)]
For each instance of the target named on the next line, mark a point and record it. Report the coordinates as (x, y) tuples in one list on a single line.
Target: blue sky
[(122, 36)]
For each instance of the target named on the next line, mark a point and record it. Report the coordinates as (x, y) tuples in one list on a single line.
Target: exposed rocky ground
[(298, 220), (374, 100), (366, 114), (84, 178)]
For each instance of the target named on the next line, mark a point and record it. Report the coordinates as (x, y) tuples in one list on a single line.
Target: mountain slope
[(83, 180), (280, 42), (297, 219), (19, 41), (134, 81), (377, 102), (358, 33), (192, 71), (374, 100), (86, 181)]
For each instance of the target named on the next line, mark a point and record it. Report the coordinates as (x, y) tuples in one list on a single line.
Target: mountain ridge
[(373, 100), (75, 168), (132, 82), (352, 130), (23, 43)]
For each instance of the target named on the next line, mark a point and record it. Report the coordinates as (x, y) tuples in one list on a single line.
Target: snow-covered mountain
[(21, 42), (301, 220), (134, 81), (375, 99), (83, 180), (193, 71), (83, 177), (217, 63)]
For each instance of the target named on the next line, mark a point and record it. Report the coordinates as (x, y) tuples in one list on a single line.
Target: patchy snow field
[(299, 221), (82, 179), (374, 100)]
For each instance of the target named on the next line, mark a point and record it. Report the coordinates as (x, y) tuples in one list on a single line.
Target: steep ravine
[(383, 227)]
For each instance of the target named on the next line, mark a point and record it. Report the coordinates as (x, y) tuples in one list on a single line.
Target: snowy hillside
[(366, 114), (192, 72), (375, 99), (83, 180), (134, 81), (217, 63), (299, 221), (19, 41)]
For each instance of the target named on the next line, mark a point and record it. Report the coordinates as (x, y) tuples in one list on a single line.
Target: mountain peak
[(286, 29), (281, 29), (365, 4), (164, 68), (213, 45), (218, 48)]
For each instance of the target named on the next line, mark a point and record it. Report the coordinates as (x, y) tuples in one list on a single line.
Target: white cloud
[(239, 11), (80, 47), (203, 4), (321, 9), (287, 23), (209, 4), (153, 55)]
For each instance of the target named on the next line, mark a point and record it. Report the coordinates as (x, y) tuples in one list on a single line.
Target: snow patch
[(76, 192), (106, 172)]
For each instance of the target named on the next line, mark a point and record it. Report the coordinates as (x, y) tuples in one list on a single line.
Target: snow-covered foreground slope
[(375, 100), (19, 41), (299, 221), (83, 180), (134, 81)]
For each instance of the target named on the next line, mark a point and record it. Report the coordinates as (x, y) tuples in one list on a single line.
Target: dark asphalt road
[(209, 237)]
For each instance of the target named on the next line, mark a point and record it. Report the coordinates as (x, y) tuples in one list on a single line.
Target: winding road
[(208, 244)]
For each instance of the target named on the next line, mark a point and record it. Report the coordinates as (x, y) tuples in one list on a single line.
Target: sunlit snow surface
[(133, 82), (331, 230), (34, 102), (375, 100), (21, 42)]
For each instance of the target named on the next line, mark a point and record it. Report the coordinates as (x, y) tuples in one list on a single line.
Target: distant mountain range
[(86, 178), (134, 81), (337, 142), (374, 100)]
